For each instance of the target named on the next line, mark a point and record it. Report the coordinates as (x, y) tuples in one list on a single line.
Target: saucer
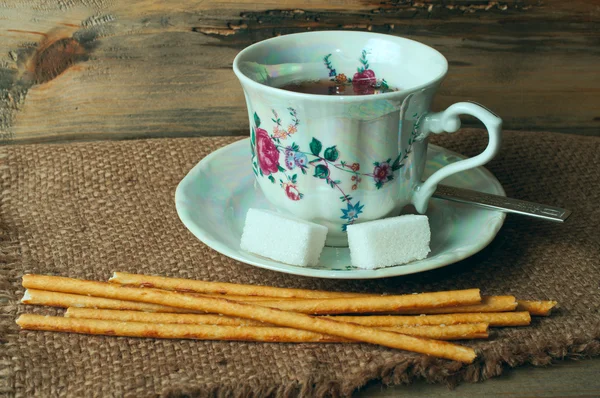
[(213, 198)]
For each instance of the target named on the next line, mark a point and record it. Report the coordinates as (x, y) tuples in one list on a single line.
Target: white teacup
[(339, 160)]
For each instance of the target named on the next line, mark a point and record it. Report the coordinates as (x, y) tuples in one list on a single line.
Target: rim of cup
[(336, 98)]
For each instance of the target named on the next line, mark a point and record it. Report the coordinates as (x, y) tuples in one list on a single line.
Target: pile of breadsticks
[(153, 306)]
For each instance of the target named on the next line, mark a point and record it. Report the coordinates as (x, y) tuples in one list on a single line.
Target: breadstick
[(147, 317), (488, 304), (190, 285), (64, 300), (491, 318), (396, 304), (540, 308), (449, 332), (264, 314), (220, 332)]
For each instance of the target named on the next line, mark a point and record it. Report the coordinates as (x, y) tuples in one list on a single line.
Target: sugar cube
[(390, 241), (283, 238)]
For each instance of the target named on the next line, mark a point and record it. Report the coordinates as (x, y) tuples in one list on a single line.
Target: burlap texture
[(84, 210)]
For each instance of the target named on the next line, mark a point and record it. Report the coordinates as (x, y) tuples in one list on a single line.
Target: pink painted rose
[(364, 82), (382, 172), (268, 155), (292, 192)]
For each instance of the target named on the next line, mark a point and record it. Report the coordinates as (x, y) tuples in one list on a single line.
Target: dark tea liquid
[(328, 87)]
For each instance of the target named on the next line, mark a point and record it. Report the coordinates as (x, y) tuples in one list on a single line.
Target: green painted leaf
[(396, 164), (280, 168), (294, 178), (256, 120), (315, 146), (303, 170), (332, 154), (321, 171), (272, 179)]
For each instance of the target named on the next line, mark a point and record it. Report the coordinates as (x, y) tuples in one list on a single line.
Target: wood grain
[(561, 379), (99, 69)]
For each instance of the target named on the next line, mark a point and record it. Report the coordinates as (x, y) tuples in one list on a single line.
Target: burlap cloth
[(84, 210)]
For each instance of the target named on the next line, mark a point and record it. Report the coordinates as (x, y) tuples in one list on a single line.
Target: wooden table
[(79, 69), (562, 379), (88, 70)]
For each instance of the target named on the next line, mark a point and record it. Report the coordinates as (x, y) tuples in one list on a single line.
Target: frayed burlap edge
[(9, 254), (490, 364)]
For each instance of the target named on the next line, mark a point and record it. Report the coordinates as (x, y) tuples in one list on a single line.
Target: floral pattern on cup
[(364, 80), (269, 153)]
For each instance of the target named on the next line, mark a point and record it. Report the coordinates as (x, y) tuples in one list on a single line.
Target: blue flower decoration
[(352, 212), (300, 159), (332, 72)]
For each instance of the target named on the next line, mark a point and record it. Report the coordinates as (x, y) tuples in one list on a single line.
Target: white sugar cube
[(283, 238), (390, 241)]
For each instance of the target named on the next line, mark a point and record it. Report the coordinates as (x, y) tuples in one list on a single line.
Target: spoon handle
[(501, 203)]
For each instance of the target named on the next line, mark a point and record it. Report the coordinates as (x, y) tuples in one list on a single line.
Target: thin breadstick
[(219, 332), (396, 304), (65, 300), (491, 318), (264, 314), (488, 304), (190, 285), (449, 332), (540, 308), (139, 316)]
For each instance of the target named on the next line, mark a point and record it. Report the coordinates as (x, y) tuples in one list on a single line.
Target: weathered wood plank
[(562, 379), (84, 69)]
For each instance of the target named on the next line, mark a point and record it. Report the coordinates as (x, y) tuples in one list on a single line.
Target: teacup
[(340, 160)]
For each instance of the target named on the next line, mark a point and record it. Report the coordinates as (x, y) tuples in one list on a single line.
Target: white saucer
[(212, 201)]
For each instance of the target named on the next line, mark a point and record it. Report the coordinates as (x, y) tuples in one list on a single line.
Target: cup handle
[(448, 121)]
